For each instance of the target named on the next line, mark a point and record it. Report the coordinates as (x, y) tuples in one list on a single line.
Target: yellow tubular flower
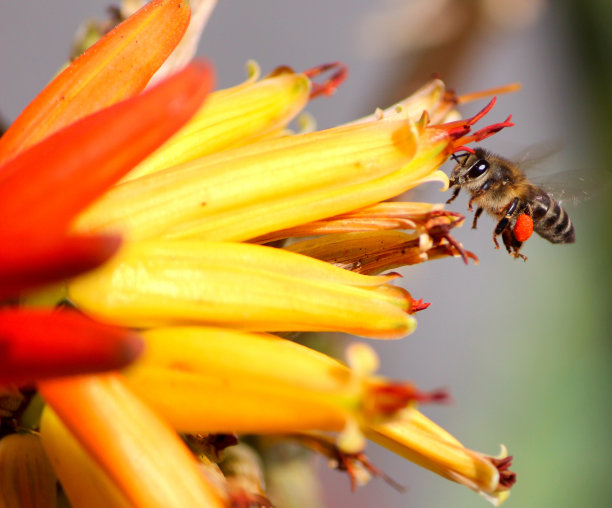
[(233, 117), (216, 380), (431, 97), (202, 298), (146, 461), (240, 286), (300, 207), (418, 439), (254, 179)]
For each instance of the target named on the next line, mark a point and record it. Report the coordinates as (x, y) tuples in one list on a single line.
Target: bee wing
[(532, 159), (570, 187)]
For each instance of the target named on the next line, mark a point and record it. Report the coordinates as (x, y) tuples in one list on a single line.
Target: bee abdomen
[(551, 221)]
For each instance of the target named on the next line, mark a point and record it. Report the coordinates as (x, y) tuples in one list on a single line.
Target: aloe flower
[(165, 238), (55, 145)]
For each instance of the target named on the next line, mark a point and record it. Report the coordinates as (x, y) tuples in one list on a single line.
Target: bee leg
[(505, 220), (511, 208), (454, 196), (502, 226), (507, 238), (476, 215), (513, 246), (508, 243), (484, 188), (495, 241)]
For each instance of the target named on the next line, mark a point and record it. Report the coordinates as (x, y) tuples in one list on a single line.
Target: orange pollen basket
[(523, 228)]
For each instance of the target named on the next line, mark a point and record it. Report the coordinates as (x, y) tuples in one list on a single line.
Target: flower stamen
[(418, 305), (357, 465), (469, 97), (459, 129), (330, 85), (391, 397), (507, 478)]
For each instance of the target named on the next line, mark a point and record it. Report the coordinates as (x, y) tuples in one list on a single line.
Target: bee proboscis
[(499, 187)]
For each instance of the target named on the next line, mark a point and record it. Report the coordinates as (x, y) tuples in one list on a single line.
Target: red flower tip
[(439, 396), (29, 262), (391, 397), (485, 132), (459, 129), (40, 344), (330, 85), (463, 149), (36, 248), (482, 112), (395, 275), (418, 305), (112, 141)]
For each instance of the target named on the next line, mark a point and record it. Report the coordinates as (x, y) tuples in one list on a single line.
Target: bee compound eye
[(479, 167)]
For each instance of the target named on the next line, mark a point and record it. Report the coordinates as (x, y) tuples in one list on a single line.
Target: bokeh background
[(524, 348)]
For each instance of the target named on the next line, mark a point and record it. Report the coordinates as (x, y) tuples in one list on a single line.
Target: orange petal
[(77, 164), (140, 453), (117, 67)]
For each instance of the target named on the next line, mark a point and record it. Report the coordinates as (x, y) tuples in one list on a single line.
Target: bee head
[(470, 167)]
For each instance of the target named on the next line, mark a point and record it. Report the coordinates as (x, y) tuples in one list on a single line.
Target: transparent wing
[(572, 187), (539, 156)]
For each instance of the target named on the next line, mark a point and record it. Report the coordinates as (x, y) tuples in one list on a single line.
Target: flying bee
[(498, 186)]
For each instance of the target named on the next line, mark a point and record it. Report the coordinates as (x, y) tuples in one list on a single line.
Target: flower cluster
[(147, 289)]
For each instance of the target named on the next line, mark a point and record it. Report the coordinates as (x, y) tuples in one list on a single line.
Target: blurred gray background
[(524, 348)]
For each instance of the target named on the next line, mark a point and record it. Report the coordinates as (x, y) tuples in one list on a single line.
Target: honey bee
[(499, 186)]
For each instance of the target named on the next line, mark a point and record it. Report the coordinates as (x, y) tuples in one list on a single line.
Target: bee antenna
[(461, 157)]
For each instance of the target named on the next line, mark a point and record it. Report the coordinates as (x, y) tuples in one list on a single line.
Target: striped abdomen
[(550, 220)]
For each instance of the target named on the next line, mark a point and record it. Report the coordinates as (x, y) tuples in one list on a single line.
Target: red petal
[(38, 344), (77, 164), (117, 67), (26, 263)]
